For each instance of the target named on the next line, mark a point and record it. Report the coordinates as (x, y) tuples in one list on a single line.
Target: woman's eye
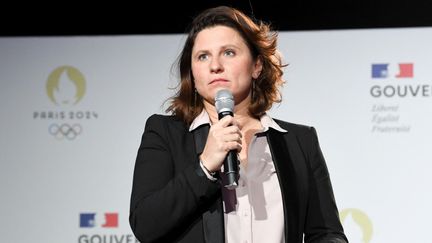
[(229, 53), (203, 57)]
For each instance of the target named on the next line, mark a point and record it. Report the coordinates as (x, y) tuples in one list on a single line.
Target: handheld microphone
[(224, 102)]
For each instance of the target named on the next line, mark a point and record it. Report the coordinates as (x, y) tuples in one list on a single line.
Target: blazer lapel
[(200, 136), (213, 219), (288, 183)]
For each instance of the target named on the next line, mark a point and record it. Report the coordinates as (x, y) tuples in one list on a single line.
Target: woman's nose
[(216, 65)]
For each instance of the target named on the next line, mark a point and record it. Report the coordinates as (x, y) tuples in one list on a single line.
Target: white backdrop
[(73, 111)]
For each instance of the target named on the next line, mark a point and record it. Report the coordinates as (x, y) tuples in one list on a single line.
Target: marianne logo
[(357, 225), (102, 228), (397, 81), (385, 70), (66, 85), (89, 220)]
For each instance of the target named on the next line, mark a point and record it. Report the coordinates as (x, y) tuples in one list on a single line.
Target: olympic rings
[(65, 131)]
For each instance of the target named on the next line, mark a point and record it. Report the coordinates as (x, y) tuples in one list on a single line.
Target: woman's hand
[(224, 135)]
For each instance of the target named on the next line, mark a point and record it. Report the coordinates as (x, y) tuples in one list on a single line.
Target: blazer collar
[(287, 180), (213, 218)]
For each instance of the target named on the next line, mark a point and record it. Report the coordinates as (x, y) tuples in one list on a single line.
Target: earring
[(253, 89), (195, 97)]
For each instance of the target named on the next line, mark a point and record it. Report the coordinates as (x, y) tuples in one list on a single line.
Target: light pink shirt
[(254, 210)]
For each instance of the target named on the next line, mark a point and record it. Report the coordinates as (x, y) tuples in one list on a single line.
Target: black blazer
[(173, 201)]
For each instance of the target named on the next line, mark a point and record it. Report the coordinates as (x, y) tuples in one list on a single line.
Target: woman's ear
[(257, 68)]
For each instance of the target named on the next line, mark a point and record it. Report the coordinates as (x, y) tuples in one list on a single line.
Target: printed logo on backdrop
[(395, 86), (102, 228), (405, 70), (65, 87), (357, 225), (88, 220)]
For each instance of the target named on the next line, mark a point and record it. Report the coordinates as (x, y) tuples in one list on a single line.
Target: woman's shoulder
[(163, 120), (161, 117), (294, 127), (306, 135)]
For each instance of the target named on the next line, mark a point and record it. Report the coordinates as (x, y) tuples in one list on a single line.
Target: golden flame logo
[(358, 220), (65, 85)]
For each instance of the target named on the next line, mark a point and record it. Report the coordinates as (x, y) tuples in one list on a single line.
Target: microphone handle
[(231, 163), (231, 170)]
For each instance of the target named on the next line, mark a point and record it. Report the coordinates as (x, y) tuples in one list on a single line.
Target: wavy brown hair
[(262, 42)]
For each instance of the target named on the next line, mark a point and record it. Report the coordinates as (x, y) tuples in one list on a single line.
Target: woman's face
[(222, 60)]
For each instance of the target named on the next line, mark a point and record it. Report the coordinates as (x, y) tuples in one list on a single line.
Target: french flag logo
[(88, 220), (381, 70)]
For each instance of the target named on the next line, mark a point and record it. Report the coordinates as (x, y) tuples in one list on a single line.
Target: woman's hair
[(186, 104)]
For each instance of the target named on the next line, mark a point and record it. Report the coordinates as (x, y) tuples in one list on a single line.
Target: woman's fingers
[(224, 135)]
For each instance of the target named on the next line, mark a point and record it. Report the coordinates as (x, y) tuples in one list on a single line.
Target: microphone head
[(224, 101)]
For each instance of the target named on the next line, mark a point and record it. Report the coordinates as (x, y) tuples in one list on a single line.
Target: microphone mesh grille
[(224, 101)]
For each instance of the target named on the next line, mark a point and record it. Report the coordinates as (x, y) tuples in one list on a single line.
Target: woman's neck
[(241, 112)]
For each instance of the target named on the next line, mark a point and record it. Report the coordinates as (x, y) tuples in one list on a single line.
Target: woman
[(284, 192)]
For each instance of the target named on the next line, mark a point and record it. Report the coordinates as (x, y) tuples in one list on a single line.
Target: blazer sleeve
[(322, 219), (165, 202)]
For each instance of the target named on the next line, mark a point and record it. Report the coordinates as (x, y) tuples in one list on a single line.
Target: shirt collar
[(201, 119), (266, 121)]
